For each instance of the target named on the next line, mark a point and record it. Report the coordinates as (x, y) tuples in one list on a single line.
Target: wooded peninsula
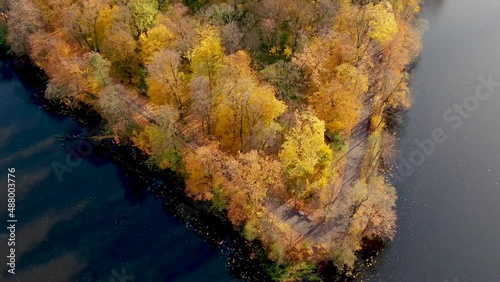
[(279, 113)]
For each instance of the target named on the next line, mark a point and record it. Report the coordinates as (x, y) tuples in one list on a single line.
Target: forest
[(267, 108)]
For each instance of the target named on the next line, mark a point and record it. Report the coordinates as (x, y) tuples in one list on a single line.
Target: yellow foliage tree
[(246, 110), (406, 9), (204, 169), (392, 83), (118, 35), (382, 22), (365, 22), (157, 38), (338, 101), (251, 176), (206, 60), (166, 83), (162, 141), (373, 215), (207, 57), (242, 181), (305, 155)]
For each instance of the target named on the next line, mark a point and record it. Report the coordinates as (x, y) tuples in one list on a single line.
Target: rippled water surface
[(449, 206)]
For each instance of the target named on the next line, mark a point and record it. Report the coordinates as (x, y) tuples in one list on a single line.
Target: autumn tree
[(381, 21), (406, 9), (62, 65), (246, 111), (166, 82), (392, 79), (372, 212), (280, 27), (207, 57), (366, 22), (241, 183), (25, 19), (143, 13), (380, 151), (162, 141), (118, 35), (231, 37), (96, 72), (287, 78), (204, 166), (343, 255), (184, 27), (323, 54), (206, 61), (249, 178), (87, 22), (380, 215), (116, 41), (203, 101), (86, 75), (337, 80), (305, 156), (113, 108), (339, 100), (56, 92), (158, 38)]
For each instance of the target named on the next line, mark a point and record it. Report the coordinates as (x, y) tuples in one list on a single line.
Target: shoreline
[(87, 118), (132, 161)]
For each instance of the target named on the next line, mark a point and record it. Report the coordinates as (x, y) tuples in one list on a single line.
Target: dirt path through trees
[(314, 231), (329, 231)]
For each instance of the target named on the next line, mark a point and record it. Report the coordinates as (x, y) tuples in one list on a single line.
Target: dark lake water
[(97, 223), (449, 207)]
